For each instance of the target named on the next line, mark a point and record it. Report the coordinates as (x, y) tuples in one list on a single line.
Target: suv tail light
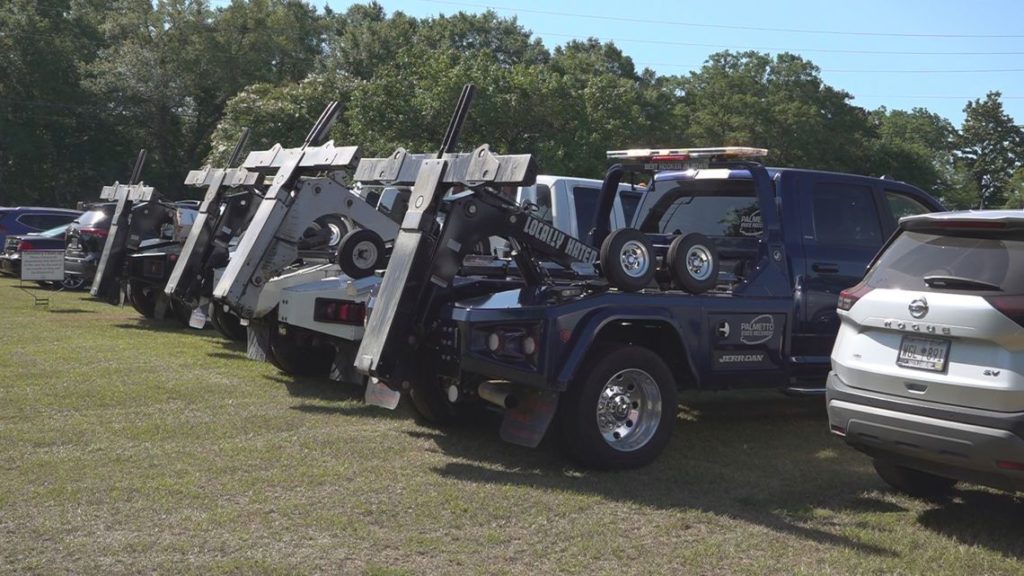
[(1010, 306), (850, 296), (25, 245), (340, 311), (98, 232)]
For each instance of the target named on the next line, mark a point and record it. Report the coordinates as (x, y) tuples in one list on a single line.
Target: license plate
[(923, 353)]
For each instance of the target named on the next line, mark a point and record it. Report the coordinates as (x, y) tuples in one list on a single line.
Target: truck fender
[(585, 335)]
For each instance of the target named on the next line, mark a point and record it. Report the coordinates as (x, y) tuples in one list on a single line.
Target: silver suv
[(928, 368)]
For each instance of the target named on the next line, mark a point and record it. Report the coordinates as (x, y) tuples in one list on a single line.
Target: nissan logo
[(918, 307)]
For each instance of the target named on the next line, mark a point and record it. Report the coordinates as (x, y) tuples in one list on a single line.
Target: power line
[(718, 26), (793, 50), (851, 71)]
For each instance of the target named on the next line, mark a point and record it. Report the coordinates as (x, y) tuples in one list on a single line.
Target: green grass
[(130, 446)]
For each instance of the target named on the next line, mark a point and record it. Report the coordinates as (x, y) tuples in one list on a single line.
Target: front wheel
[(619, 412)]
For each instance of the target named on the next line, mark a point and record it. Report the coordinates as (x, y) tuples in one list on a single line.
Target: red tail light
[(341, 311), (849, 297), (1010, 465), (98, 232), (25, 245), (1011, 306)]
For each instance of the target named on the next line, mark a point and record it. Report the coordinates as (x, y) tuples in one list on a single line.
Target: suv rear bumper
[(949, 441)]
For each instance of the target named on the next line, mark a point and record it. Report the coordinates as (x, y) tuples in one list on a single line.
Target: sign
[(42, 265)]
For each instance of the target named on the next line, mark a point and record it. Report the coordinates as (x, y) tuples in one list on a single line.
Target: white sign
[(42, 265)]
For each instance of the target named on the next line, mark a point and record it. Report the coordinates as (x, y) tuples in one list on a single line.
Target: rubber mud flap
[(378, 394), (526, 424), (258, 344)]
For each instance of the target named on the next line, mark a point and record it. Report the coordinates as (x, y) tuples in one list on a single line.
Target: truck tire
[(360, 253), (627, 259), (325, 233), (299, 356), (142, 297), (619, 411), (180, 312), (693, 262), (914, 482), (228, 324)]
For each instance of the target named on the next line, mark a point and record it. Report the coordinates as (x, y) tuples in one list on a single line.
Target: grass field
[(128, 446)]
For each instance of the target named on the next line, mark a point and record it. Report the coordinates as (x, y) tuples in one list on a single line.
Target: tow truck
[(306, 185), (319, 324), (727, 279)]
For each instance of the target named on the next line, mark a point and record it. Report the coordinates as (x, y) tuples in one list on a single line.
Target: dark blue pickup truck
[(728, 279)]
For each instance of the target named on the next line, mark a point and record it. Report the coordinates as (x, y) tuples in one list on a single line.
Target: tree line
[(86, 83)]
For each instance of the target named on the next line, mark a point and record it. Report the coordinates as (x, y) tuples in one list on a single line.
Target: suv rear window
[(712, 207), (914, 256), (91, 218)]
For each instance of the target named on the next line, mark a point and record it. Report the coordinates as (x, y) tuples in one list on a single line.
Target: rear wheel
[(914, 482), (229, 325), (299, 355), (143, 298), (620, 411), (180, 312)]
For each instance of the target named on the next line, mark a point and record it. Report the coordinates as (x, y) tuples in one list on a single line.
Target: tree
[(990, 147), (915, 146), (778, 103)]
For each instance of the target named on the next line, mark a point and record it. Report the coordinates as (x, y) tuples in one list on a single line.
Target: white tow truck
[(319, 324)]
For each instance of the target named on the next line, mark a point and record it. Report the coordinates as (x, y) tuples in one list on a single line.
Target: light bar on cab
[(677, 154)]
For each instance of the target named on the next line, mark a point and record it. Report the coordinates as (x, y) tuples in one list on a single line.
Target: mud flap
[(162, 303), (258, 341), (526, 424), (378, 394), (198, 318)]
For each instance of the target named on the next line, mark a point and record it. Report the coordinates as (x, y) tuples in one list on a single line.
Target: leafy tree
[(915, 146), (778, 103), (990, 147)]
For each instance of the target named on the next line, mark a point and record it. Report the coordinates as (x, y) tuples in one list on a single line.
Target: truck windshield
[(713, 207)]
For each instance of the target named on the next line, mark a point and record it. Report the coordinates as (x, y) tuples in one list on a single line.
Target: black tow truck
[(728, 279)]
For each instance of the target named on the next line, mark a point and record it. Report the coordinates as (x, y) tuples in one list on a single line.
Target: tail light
[(98, 232), (339, 311), (511, 342), (850, 296), (25, 245), (1010, 306)]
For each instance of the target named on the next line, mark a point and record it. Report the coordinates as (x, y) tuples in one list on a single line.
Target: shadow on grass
[(71, 311), (770, 462), (1000, 528), (152, 324)]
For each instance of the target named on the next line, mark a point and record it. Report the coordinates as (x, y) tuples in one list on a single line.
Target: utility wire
[(716, 26)]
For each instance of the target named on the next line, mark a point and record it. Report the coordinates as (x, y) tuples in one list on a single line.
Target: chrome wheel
[(635, 259), (336, 234), (629, 409), (699, 262)]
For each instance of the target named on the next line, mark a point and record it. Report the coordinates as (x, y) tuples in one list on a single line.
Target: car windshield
[(714, 207), (968, 262)]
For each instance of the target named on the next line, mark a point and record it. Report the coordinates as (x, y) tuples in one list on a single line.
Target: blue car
[(27, 219)]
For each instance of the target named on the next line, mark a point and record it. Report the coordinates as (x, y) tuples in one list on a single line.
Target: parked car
[(84, 244), (26, 219), (15, 245), (928, 368)]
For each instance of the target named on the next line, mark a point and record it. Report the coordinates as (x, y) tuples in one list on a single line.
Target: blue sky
[(935, 54)]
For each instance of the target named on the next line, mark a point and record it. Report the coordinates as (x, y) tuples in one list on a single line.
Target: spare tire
[(627, 259), (360, 253), (693, 262)]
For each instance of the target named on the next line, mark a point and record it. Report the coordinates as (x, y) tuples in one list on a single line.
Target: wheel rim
[(336, 234), (629, 410), (72, 283), (634, 258), (364, 254), (698, 262)]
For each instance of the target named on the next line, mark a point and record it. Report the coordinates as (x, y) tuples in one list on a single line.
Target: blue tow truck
[(728, 279)]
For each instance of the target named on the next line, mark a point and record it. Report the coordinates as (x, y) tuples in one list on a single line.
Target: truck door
[(842, 229)]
